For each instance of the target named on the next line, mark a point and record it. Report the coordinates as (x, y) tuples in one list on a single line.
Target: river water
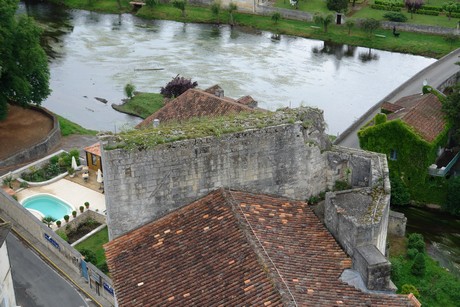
[(96, 55)]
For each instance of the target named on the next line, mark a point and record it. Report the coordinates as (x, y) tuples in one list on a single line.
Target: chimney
[(156, 122), (219, 93)]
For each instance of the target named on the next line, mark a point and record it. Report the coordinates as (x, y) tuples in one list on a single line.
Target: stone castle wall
[(144, 185)]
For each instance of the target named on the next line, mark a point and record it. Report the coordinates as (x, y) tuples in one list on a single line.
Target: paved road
[(435, 74), (35, 283)]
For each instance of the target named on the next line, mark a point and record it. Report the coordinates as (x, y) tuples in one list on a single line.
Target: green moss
[(206, 126)]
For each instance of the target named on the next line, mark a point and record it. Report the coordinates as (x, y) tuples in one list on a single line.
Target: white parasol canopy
[(99, 176), (74, 163)]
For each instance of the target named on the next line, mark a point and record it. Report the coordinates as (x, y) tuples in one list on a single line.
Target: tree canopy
[(24, 73), (451, 107)]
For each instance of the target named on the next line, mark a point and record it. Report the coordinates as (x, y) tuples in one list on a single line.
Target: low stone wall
[(80, 219), (417, 28), (285, 13), (55, 244), (42, 146), (397, 224)]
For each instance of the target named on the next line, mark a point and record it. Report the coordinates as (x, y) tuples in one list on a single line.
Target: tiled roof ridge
[(273, 274), (223, 99)]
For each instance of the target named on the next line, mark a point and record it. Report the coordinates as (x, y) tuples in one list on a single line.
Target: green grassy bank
[(415, 43), (141, 105), (68, 127)]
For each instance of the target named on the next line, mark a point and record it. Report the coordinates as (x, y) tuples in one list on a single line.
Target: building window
[(393, 155), (94, 159)]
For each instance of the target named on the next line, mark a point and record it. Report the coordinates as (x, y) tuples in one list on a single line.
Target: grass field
[(142, 104), (68, 127), (95, 243)]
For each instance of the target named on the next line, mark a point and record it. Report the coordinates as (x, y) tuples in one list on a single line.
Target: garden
[(56, 165)]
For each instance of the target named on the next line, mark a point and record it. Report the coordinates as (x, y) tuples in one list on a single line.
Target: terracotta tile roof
[(234, 248), (94, 149), (390, 107), (423, 113), (247, 101), (195, 103)]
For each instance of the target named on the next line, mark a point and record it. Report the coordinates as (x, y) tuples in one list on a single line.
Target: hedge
[(426, 12), (385, 8), (389, 3)]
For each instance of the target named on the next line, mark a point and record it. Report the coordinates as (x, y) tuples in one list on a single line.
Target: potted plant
[(71, 172), (66, 218), (58, 223), (82, 209), (86, 204), (74, 213)]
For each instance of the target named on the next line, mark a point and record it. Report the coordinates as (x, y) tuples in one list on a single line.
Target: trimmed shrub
[(390, 3), (58, 223), (385, 8), (395, 16), (82, 209), (411, 253), (415, 240), (66, 218), (418, 267), (427, 12), (408, 288), (431, 8)]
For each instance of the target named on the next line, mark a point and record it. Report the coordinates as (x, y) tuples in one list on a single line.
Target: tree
[(177, 86), (232, 7), (24, 77), (413, 6), (337, 5), (89, 255), (215, 9), (276, 17), (48, 220), (323, 20), (449, 7), (369, 25), (418, 267), (180, 4), (400, 195), (349, 24), (129, 90)]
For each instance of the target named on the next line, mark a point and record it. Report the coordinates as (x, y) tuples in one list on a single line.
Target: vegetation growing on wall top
[(210, 126)]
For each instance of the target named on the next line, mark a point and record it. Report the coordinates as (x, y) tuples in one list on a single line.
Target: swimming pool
[(48, 205)]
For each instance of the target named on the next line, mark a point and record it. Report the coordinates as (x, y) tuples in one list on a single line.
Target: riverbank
[(407, 42), (141, 104)]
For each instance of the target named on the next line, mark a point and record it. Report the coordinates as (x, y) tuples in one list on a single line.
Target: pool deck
[(73, 193)]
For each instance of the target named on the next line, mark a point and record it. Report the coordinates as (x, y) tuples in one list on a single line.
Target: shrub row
[(389, 3), (385, 8), (432, 8), (397, 17), (427, 12)]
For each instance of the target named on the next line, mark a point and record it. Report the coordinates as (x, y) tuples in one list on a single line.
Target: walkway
[(435, 74)]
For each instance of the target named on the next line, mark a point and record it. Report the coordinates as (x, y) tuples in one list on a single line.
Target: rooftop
[(235, 248), (196, 103), (94, 149), (423, 113), (211, 126)]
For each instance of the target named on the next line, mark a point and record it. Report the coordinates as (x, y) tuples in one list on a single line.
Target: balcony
[(444, 163)]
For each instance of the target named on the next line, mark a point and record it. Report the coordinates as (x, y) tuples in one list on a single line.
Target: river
[(96, 55)]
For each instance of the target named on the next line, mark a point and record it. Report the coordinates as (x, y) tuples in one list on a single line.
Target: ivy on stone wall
[(409, 156)]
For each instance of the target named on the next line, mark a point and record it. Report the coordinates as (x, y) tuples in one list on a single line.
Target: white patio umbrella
[(99, 178), (74, 163)]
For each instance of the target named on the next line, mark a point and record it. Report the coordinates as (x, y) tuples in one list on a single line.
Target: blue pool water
[(48, 205)]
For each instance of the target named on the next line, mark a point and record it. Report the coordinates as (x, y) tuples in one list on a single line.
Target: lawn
[(68, 127), (142, 104), (95, 243)]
